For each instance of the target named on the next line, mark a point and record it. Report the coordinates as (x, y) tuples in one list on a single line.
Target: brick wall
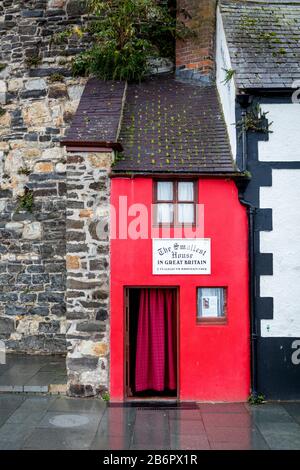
[(195, 55)]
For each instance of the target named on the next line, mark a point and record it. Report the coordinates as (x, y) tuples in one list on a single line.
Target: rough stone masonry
[(87, 257), (46, 203)]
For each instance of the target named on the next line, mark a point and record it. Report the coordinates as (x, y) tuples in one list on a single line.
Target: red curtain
[(156, 341)]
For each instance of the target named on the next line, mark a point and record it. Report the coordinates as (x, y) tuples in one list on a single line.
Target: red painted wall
[(214, 360)]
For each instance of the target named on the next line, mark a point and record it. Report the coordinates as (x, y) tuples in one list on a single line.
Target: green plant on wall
[(255, 121), (56, 77), (229, 74), (105, 396), (256, 399), (124, 35), (33, 61), (26, 201), (61, 37)]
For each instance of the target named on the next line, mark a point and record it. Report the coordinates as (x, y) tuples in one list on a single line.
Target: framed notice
[(211, 303), (181, 256)]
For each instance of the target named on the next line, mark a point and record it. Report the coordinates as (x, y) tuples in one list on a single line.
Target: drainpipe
[(244, 100), (253, 327), (244, 141)]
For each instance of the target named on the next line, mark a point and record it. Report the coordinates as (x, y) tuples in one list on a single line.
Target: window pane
[(211, 302), (185, 191), (165, 191), (186, 213), (165, 213)]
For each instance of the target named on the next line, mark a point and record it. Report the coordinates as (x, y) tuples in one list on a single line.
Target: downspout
[(253, 327), (244, 141), (245, 100)]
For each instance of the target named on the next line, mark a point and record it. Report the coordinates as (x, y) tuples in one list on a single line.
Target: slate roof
[(96, 121), (173, 127), (264, 42)]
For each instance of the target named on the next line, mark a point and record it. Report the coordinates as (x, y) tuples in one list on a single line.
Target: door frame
[(126, 344)]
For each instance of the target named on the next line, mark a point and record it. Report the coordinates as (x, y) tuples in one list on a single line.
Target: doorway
[(151, 343)]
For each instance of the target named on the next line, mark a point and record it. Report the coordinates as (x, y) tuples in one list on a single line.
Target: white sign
[(181, 256)]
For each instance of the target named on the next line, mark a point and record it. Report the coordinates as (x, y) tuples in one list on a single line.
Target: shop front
[(179, 290)]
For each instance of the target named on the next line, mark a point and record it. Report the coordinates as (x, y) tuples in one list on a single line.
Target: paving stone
[(36, 388), (187, 427), (37, 403), (41, 379), (10, 402), (111, 443), (189, 415), (283, 436), (231, 435), (242, 420), (294, 410), (222, 408), (270, 414), (87, 422), (5, 414), (15, 433), (65, 404), (54, 439), (11, 388), (26, 416), (182, 442)]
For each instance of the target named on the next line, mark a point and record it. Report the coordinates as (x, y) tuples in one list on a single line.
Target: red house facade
[(212, 358), (197, 346)]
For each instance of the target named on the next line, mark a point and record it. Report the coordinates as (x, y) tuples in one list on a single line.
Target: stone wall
[(88, 188), (38, 98)]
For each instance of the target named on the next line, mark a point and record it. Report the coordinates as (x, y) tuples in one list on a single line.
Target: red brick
[(198, 52)]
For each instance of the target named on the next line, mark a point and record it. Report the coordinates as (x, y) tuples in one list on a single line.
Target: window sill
[(212, 321)]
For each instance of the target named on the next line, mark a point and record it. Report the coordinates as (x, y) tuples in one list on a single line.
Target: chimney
[(195, 54)]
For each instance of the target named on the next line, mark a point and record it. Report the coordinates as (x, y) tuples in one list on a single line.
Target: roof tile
[(175, 127), (264, 37), (98, 115)]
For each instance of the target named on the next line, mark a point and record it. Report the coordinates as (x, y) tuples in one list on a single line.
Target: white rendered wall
[(284, 141), (227, 92), (284, 242)]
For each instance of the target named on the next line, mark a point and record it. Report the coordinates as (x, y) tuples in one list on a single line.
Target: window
[(211, 304), (175, 202)]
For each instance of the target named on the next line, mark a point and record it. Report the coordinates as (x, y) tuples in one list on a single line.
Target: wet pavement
[(25, 373), (56, 422)]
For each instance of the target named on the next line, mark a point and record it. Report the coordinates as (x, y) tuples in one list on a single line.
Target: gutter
[(90, 146), (179, 174)]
